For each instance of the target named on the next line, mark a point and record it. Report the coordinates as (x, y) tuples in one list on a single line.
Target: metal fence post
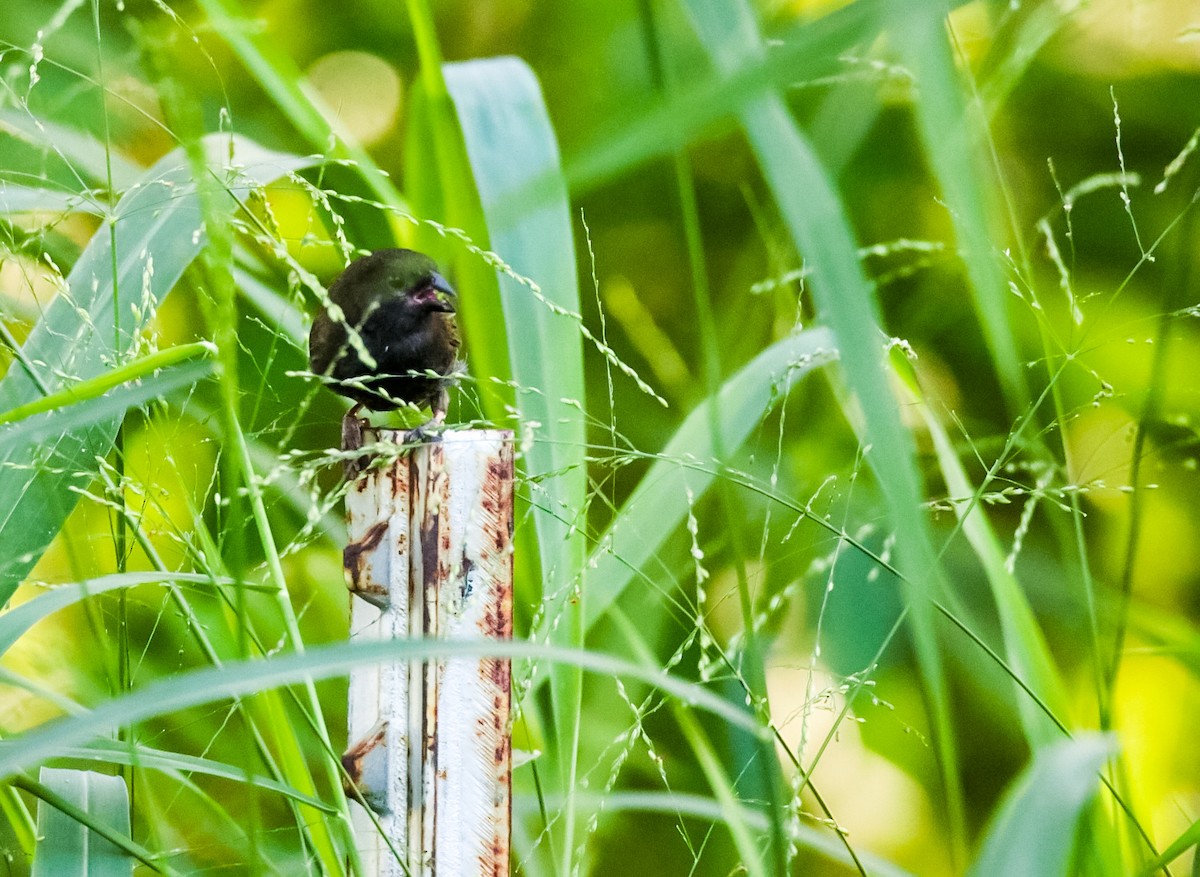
[(430, 555)]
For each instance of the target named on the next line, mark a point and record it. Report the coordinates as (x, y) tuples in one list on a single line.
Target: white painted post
[(430, 555)]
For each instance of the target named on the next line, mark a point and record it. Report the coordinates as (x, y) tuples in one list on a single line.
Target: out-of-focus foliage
[(916, 281)]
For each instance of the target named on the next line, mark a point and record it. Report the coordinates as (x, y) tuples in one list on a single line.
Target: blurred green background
[(1063, 131)]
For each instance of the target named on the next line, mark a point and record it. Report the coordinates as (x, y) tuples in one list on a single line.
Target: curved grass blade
[(86, 156), (93, 388), (16, 621), (724, 786), (1186, 841), (806, 50), (139, 755), (1025, 648), (945, 126), (51, 425), (510, 142), (15, 199), (158, 233), (1034, 830), (845, 300), (440, 182), (287, 86), (659, 504), (674, 804), (234, 679), (74, 805)]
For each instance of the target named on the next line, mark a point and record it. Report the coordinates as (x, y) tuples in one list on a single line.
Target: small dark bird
[(401, 311)]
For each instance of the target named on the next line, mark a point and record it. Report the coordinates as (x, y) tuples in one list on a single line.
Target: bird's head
[(390, 275)]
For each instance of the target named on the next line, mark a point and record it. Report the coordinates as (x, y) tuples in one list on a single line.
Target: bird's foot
[(352, 440), (426, 432)]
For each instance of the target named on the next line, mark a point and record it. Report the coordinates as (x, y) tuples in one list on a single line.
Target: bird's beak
[(445, 292)]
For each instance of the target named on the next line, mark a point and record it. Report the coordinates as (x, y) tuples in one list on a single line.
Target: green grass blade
[(16, 621), (67, 845), (287, 86), (1034, 831), (238, 678), (15, 199), (946, 130), (102, 409), (158, 234), (510, 142), (724, 787), (659, 504), (845, 301), (142, 368), (1025, 648), (115, 752), (1186, 841), (440, 184), (806, 50), (85, 155), (675, 804), (1009, 59)]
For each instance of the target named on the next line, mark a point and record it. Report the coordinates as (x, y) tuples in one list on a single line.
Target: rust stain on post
[(355, 557), (366, 766), (431, 750), (353, 758)]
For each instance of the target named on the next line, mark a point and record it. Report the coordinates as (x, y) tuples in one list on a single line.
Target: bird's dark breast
[(401, 343)]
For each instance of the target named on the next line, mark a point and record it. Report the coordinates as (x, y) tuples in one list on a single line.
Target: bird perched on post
[(399, 310)]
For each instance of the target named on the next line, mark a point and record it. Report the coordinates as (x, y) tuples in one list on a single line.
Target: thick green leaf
[(1033, 832), (157, 231), (510, 143), (234, 679), (67, 846), (845, 301), (16, 621)]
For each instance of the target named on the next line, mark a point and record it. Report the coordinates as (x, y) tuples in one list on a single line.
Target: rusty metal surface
[(355, 557), (366, 765), (378, 510), (474, 699), (430, 555)]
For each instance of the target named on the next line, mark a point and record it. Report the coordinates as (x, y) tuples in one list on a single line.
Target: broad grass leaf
[(68, 847), (154, 234), (510, 143), (820, 229), (1034, 829), (238, 678)]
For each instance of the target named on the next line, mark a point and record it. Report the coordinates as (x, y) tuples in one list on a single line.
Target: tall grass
[(754, 607)]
